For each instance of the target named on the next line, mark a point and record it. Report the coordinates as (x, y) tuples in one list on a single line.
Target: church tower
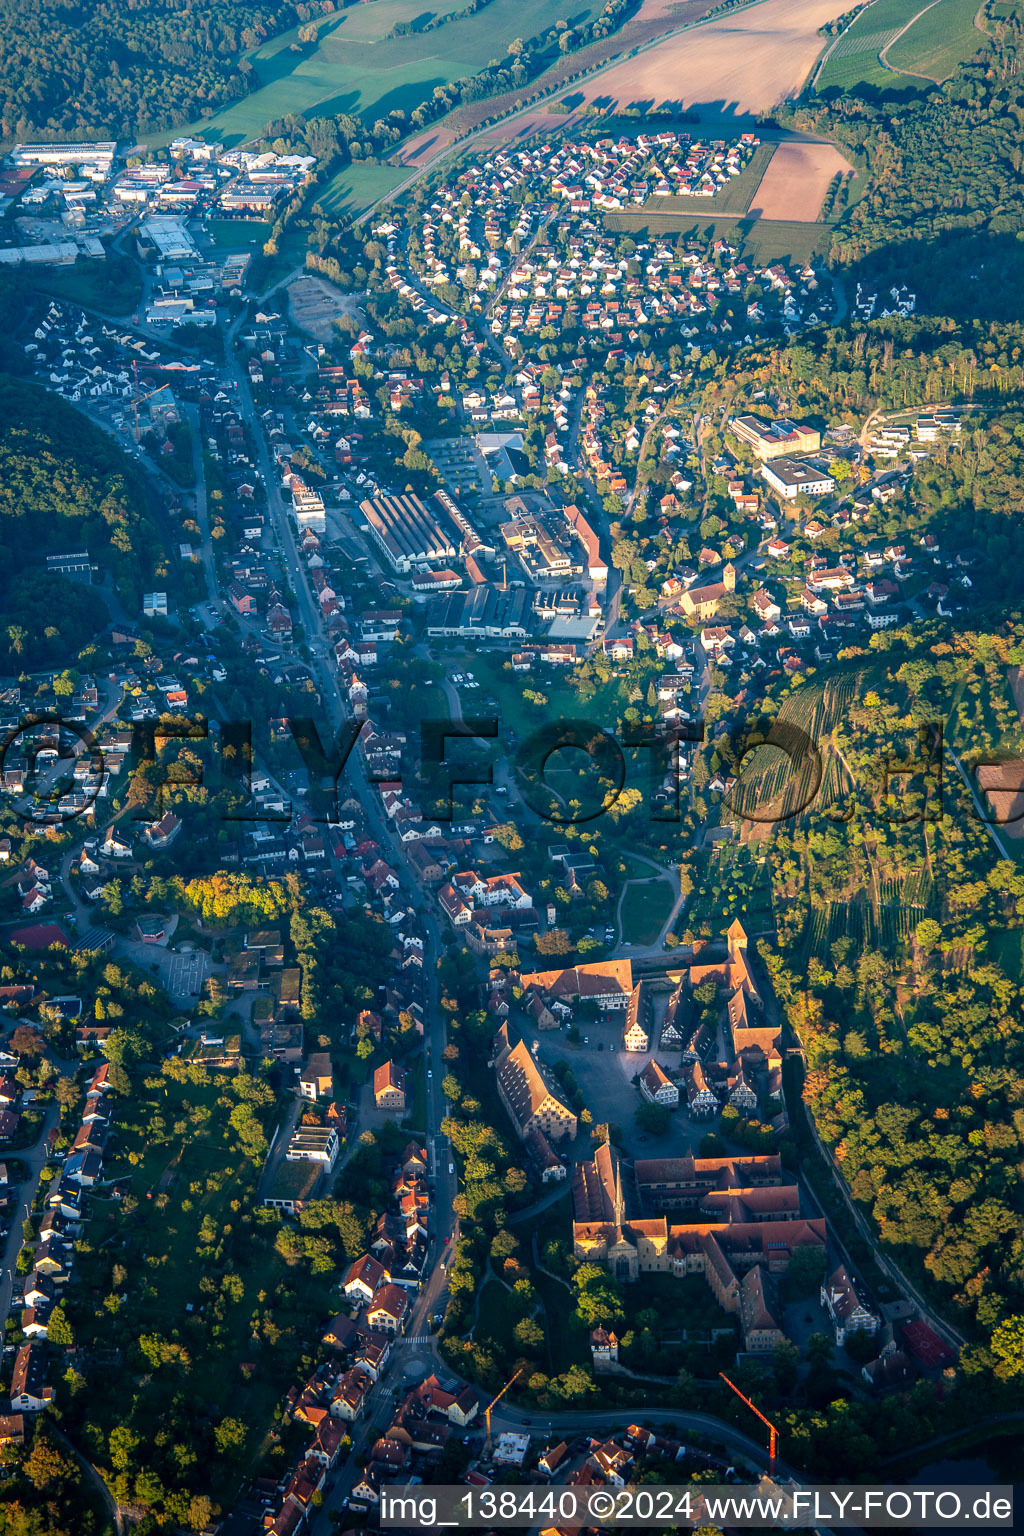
[(619, 1210), (729, 577)]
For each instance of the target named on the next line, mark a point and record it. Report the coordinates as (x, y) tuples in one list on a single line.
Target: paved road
[(334, 711), (34, 1158)]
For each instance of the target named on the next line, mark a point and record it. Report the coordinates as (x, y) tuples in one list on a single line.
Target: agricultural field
[(739, 65), (355, 67), (938, 41), (794, 184), (853, 59)]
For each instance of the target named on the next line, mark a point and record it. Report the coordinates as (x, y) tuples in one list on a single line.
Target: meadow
[(355, 67), (645, 909), (356, 186)]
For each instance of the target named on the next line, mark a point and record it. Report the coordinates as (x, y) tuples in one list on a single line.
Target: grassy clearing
[(114, 288), (733, 882), (644, 911), (938, 41), (356, 67), (499, 1313), (522, 715), (854, 60)]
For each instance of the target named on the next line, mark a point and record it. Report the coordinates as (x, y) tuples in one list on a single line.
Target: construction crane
[(141, 399), (773, 1434), (490, 1405)]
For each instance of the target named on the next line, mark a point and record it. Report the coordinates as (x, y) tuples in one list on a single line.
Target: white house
[(657, 1087)]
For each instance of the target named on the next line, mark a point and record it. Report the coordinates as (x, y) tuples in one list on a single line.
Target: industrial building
[(407, 534), (486, 611), (169, 238), (84, 157)]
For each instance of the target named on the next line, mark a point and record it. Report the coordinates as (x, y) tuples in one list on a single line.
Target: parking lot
[(315, 306)]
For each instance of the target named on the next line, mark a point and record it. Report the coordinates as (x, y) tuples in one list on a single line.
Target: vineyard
[(882, 923), (796, 771)]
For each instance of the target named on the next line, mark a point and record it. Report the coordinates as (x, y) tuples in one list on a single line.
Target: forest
[(94, 68), (899, 966), (63, 485), (944, 208)]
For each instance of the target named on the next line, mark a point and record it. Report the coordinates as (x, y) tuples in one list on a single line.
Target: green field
[(854, 59), (763, 240), (355, 67), (111, 286), (237, 234), (644, 911), (357, 186), (939, 41), (732, 881)]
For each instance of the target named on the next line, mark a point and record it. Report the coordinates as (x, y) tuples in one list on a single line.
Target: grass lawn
[(568, 1340), (854, 60), (355, 67), (938, 41), (636, 869), (683, 1303), (762, 240), (522, 715), (499, 1313), (644, 910)]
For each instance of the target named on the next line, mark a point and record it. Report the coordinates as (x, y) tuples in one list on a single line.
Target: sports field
[(938, 41), (355, 67)]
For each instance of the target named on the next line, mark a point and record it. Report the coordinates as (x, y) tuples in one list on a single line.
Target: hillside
[(63, 485), (95, 69)]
